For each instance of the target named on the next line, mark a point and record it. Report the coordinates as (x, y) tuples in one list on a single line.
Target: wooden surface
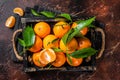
[(106, 11)]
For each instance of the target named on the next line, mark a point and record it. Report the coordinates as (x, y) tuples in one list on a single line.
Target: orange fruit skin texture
[(10, 22), (47, 41), (42, 29), (47, 56), (18, 11), (75, 61), (70, 46), (37, 45), (36, 61), (83, 43), (83, 31), (60, 29), (60, 59)]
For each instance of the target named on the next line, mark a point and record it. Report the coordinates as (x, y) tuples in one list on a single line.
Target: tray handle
[(103, 42), (20, 58)]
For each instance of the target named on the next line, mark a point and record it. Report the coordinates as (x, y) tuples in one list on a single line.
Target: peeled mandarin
[(18, 11), (10, 22)]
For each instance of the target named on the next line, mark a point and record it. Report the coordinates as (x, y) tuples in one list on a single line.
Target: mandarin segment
[(37, 45), (42, 29), (70, 46), (10, 22), (50, 41), (60, 29), (75, 61), (18, 11), (47, 56), (60, 59)]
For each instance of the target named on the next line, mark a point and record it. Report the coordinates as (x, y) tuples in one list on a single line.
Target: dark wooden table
[(106, 11)]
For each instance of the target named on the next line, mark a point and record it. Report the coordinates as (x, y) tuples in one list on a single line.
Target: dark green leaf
[(54, 40), (57, 50), (48, 14), (28, 36), (73, 34), (68, 56), (81, 25), (65, 37), (22, 43), (65, 15), (85, 23), (83, 53), (34, 12)]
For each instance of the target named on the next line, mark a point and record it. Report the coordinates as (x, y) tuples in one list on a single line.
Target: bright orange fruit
[(75, 61), (61, 28), (70, 46), (83, 43), (42, 29), (60, 59), (37, 45), (50, 41), (36, 61)]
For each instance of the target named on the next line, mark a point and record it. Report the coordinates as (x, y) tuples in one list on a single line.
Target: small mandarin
[(60, 59), (60, 29), (42, 29), (36, 61), (50, 41), (83, 43), (75, 61), (37, 45), (70, 46)]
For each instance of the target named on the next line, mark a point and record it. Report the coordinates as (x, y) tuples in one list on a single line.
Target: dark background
[(106, 11)]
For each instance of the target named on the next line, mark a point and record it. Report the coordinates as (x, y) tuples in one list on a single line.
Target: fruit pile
[(56, 44), (49, 47)]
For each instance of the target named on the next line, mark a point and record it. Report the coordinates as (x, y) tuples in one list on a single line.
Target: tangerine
[(70, 46), (61, 28), (36, 61), (83, 43), (37, 45), (60, 59), (74, 61), (42, 29), (50, 41)]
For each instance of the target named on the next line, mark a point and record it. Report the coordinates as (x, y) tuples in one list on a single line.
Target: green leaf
[(83, 53), (54, 40), (81, 24), (68, 56), (48, 14), (34, 12), (85, 23), (65, 37), (73, 34), (28, 36), (22, 43), (57, 50), (65, 15)]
